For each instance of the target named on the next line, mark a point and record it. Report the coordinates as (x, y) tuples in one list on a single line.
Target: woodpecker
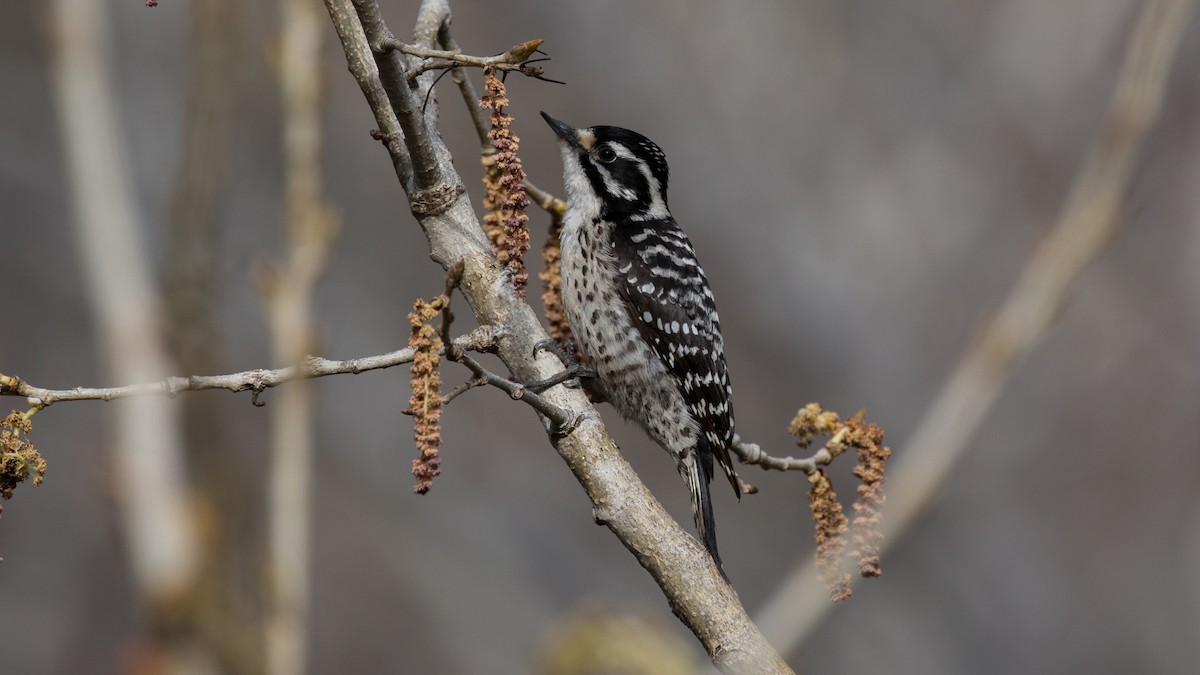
[(641, 309)]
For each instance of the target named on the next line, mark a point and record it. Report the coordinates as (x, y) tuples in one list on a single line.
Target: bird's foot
[(566, 354)]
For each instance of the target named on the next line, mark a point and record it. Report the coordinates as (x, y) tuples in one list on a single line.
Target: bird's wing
[(672, 306)]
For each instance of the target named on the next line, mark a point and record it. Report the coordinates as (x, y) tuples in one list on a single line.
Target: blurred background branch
[(1090, 217), (149, 476), (228, 614), (289, 292)]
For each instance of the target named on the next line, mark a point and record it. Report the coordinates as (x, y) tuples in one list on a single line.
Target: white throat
[(582, 204)]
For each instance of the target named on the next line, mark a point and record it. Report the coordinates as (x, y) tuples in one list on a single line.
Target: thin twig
[(516, 59), (1086, 224), (547, 201), (463, 388), (556, 207), (564, 420), (467, 89), (751, 453), (471, 100), (482, 339), (453, 279), (513, 57)]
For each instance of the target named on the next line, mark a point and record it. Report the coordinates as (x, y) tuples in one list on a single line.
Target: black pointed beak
[(564, 131)]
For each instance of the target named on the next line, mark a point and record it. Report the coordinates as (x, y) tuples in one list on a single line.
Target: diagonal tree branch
[(361, 64), (426, 170), (693, 586)]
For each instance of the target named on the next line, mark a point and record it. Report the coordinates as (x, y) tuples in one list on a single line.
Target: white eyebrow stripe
[(621, 150), (658, 207)]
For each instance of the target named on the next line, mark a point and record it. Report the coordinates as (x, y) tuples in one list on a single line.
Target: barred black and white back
[(641, 308)]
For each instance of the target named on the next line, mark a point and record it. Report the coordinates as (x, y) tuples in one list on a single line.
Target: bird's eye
[(606, 155)]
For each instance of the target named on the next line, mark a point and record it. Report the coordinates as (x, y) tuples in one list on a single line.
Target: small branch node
[(435, 200), (9, 384), (388, 43), (560, 431), (600, 514), (175, 385)]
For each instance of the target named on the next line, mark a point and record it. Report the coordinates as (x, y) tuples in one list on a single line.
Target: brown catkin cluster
[(811, 421), (868, 507), (830, 525), (426, 400), (19, 459), (551, 276), (492, 198), (503, 181)]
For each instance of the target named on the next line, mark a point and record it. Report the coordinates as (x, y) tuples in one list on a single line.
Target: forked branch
[(517, 59)]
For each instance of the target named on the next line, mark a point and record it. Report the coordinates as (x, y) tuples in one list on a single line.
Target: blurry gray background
[(862, 180)]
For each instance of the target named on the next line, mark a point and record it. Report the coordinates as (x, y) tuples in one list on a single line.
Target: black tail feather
[(699, 472), (706, 522)]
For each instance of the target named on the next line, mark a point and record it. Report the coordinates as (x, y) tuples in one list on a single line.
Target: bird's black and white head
[(610, 172)]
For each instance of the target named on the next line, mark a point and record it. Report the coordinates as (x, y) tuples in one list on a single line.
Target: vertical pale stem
[(289, 294), (151, 485)]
